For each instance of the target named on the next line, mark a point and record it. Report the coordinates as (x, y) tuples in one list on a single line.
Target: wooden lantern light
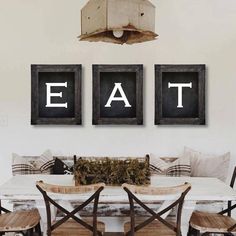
[(118, 21)]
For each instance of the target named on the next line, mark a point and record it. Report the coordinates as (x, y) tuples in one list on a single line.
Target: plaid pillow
[(20, 166), (180, 167), (29, 166), (179, 170), (158, 166)]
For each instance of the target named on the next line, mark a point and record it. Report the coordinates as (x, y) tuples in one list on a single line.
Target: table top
[(203, 189)]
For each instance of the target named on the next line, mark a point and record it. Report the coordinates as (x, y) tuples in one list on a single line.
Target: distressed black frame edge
[(96, 69), (35, 69), (159, 69)]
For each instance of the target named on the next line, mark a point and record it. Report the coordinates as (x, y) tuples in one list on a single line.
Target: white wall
[(45, 31)]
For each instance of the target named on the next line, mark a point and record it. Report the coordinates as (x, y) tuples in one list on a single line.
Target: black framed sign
[(56, 94), (180, 94), (118, 94)]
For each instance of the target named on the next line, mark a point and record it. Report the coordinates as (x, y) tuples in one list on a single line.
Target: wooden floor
[(113, 234)]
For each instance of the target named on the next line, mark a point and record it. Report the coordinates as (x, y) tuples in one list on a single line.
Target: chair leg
[(193, 232), (38, 229), (30, 232)]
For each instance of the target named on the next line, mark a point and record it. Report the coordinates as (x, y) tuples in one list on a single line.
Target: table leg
[(40, 204), (188, 208)]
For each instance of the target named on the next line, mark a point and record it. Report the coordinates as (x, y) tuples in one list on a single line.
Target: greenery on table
[(112, 171)]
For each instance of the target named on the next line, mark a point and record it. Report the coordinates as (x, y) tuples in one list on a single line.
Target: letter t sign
[(180, 89), (180, 94)]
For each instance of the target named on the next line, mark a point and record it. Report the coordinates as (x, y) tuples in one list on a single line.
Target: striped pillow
[(178, 168), (45, 162), (29, 166)]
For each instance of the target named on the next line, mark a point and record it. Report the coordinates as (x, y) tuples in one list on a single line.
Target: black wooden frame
[(159, 70), (35, 119), (97, 119)]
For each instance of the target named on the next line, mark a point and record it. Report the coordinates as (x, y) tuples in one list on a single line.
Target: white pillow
[(180, 167), (207, 165)]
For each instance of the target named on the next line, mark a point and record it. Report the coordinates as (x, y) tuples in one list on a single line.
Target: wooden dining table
[(22, 188)]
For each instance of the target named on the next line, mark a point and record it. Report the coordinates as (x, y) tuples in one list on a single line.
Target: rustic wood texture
[(69, 189), (211, 222), (113, 234), (130, 36), (156, 228), (68, 215), (72, 228), (136, 18), (159, 118), (150, 225), (157, 190), (97, 119), (215, 222), (19, 221), (93, 16), (138, 13)]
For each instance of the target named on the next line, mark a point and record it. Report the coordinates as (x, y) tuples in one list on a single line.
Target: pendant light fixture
[(118, 21)]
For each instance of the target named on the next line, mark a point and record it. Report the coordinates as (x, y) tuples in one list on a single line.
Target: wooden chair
[(70, 224), (156, 225), (24, 222), (204, 223), (232, 182)]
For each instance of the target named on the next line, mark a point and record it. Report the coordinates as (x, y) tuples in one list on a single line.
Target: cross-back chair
[(156, 224), (24, 222), (205, 223), (71, 224)]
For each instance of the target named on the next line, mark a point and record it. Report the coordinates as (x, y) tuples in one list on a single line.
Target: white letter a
[(122, 98)]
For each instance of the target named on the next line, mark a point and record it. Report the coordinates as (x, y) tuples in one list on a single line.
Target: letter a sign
[(117, 94)]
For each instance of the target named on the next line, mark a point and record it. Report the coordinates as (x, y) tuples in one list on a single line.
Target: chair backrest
[(45, 188), (178, 191), (232, 182), (233, 178), (2, 209)]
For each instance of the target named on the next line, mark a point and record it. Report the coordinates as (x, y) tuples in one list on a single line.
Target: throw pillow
[(45, 162), (60, 168), (178, 168), (28, 166), (207, 165), (21, 166)]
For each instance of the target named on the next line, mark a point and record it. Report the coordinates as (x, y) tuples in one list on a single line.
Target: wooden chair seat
[(72, 228), (19, 221), (211, 222), (156, 228)]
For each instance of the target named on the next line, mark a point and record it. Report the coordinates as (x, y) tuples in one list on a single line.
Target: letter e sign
[(180, 94), (56, 94), (118, 94)]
